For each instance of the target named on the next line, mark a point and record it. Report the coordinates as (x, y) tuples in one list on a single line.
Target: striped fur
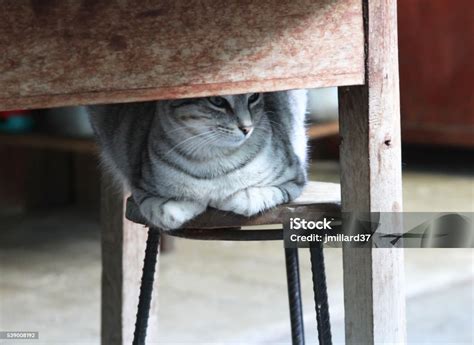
[(179, 157)]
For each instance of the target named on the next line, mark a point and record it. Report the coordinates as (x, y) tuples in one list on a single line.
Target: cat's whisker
[(191, 147), (277, 124), (186, 140), (204, 144)]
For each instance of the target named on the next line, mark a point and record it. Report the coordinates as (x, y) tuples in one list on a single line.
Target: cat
[(241, 153)]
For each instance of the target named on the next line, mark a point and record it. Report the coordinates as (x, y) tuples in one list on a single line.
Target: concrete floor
[(224, 293)]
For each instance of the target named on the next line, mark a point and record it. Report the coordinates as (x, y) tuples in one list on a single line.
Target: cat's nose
[(246, 129)]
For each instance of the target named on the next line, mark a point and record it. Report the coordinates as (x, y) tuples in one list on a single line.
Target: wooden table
[(83, 52)]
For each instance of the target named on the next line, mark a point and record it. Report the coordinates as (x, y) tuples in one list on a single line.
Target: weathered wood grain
[(123, 251), (371, 181), (81, 52)]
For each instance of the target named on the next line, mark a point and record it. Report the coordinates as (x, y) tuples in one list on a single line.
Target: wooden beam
[(72, 52), (371, 181), (123, 251)]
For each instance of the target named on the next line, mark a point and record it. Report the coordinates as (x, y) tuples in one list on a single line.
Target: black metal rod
[(320, 295), (146, 287), (294, 296)]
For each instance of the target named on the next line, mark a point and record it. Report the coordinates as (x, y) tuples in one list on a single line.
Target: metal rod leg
[(294, 296), (146, 287), (320, 295)]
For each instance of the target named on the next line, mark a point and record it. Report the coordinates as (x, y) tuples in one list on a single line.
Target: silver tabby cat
[(242, 153)]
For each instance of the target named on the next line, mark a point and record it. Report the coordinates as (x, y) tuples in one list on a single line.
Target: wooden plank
[(123, 251), (80, 52), (49, 142), (371, 181)]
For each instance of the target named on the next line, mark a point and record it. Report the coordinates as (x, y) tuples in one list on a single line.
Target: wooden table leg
[(371, 181), (123, 251)]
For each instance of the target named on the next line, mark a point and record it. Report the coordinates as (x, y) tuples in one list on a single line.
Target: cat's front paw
[(251, 201), (171, 214)]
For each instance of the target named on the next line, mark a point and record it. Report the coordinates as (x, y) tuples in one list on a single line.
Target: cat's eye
[(218, 101), (254, 97)]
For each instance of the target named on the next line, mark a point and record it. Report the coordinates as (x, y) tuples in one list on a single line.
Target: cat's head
[(221, 121)]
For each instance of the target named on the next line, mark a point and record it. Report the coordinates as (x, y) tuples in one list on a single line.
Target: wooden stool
[(317, 200)]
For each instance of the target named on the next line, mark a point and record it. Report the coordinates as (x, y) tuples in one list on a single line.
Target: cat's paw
[(251, 201), (171, 214)]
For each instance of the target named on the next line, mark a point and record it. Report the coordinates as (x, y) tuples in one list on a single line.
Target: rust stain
[(88, 12), (70, 35), (118, 43), (151, 13), (42, 8), (379, 161), (12, 64)]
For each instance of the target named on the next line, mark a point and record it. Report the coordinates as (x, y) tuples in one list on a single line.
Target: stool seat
[(320, 198)]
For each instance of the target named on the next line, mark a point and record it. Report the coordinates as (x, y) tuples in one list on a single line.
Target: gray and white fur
[(241, 153)]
